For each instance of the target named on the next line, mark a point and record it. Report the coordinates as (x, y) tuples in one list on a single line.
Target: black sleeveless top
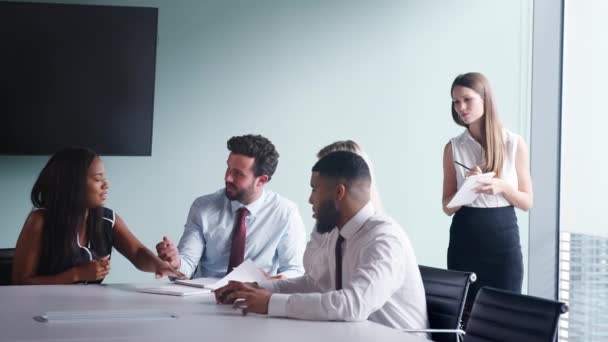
[(87, 253), (94, 249)]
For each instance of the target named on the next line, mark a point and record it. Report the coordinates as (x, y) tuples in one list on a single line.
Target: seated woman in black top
[(69, 237)]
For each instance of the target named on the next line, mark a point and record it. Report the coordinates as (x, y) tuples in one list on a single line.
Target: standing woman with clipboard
[(484, 235)]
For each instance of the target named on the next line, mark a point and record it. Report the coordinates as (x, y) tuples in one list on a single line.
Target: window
[(583, 255)]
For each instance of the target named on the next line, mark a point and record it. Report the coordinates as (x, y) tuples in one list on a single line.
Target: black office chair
[(446, 292), (503, 316), (6, 265)]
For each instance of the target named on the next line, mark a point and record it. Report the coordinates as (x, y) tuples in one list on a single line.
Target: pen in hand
[(461, 164)]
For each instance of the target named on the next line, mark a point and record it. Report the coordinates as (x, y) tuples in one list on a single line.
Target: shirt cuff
[(267, 284), (184, 269), (277, 306), (293, 273)]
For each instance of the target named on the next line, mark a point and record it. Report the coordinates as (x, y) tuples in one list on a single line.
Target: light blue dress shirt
[(275, 239)]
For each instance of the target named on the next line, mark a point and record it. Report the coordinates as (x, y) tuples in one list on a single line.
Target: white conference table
[(199, 318)]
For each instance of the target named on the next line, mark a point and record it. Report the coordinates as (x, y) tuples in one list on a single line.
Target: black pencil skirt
[(486, 241)]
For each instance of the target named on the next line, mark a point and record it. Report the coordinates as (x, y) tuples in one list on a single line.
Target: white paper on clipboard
[(466, 194)]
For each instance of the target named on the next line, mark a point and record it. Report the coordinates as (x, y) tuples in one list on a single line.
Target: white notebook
[(466, 194)]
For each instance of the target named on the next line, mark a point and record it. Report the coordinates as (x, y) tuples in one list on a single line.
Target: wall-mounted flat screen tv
[(76, 75)]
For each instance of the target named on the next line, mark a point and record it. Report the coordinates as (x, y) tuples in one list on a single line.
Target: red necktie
[(239, 233)]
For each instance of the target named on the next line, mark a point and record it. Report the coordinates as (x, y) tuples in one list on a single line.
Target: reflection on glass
[(584, 286)]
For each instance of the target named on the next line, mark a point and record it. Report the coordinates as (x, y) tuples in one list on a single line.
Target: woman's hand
[(491, 186), (93, 270), (473, 172), (164, 269)]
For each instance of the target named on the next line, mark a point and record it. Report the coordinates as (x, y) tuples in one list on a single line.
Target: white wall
[(305, 73)]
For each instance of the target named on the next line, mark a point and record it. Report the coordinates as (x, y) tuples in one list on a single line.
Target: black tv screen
[(76, 75)]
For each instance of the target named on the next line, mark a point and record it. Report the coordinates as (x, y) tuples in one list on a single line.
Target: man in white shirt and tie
[(241, 221), (379, 278)]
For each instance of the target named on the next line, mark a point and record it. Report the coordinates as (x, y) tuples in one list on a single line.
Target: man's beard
[(238, 194), (327, 217)]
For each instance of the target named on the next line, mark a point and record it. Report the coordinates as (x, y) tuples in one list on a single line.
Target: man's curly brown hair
[(266, 157)]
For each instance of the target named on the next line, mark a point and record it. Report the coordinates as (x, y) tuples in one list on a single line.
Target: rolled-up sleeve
[(192, 243), (281, 289)]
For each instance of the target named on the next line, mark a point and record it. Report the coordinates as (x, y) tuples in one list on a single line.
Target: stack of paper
[(173, 290), (203, 283)]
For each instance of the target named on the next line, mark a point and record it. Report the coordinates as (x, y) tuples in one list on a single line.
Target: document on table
[(103, 315), (202, 283), (466, 194), (245, 272), (173, 290)]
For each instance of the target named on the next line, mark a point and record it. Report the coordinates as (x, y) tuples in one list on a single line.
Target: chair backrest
[(500, 315), (6, 265), (446, 292)]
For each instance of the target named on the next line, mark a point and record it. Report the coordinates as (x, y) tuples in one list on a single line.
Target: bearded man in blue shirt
[(241, 221)]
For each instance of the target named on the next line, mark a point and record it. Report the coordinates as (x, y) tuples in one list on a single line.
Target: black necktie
[(339, 262)]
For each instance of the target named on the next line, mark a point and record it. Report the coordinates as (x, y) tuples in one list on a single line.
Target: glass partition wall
[(583, 252)]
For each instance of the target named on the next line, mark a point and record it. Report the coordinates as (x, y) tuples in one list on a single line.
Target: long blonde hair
[(351, 146), (492, 130)]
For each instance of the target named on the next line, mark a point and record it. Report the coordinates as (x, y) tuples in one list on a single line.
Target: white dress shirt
[(466, 150), (381, 280), (318, 241), (275, 237)]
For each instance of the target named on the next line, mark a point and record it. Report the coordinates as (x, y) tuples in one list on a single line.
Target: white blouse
[(469, 152)]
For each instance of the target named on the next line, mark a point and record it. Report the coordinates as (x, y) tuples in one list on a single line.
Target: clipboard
[(466, 194)]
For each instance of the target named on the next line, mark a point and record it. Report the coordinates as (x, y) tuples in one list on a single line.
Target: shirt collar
[(468, 136), (253, 207), (356, 222)]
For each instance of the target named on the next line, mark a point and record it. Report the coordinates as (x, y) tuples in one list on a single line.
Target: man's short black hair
[(343, 165), (266, 157)]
